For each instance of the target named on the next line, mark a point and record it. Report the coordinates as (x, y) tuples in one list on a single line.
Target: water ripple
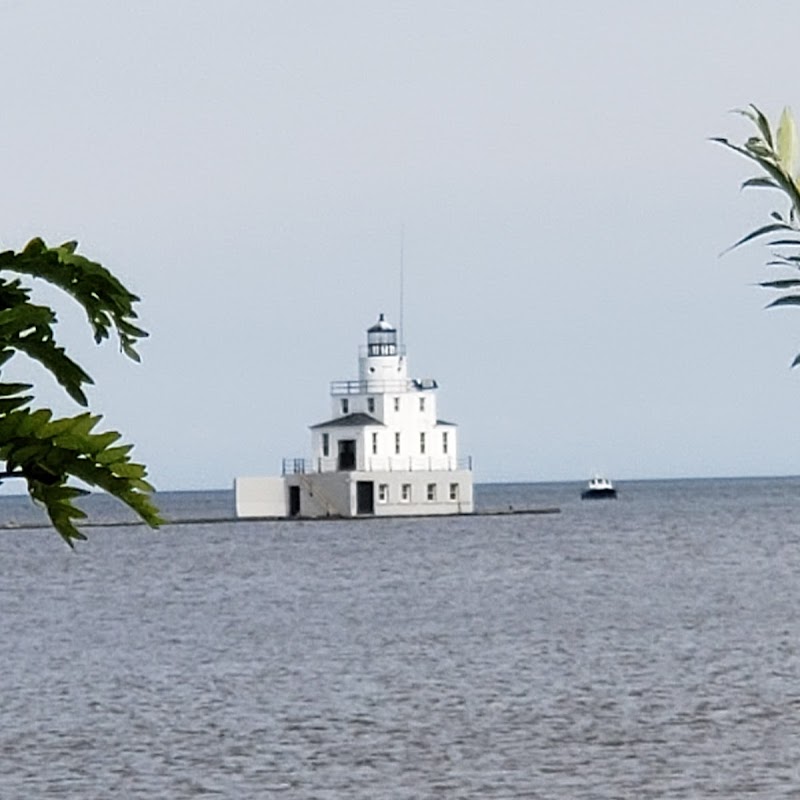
[(635, 650)]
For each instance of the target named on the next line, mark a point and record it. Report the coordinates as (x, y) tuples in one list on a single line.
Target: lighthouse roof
[(357, 420), (381, 325)]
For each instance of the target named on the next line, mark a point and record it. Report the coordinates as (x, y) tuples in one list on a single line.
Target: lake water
[(639, 648)]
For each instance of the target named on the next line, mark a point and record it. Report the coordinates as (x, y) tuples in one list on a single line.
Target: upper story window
[(345, 406), (422, 404), (444, 442), (397, 444), (371, 405), (397, 404), (374, 444), (326, 444), (422, 444)]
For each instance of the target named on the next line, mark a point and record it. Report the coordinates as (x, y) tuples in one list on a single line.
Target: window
[(422, 404), (405, 492), (454, 491), (397, 444), (374, 444), (371, 405), (444, 442), (397, 404), (422, 444), (345, 406), (383, 492), (431, 491), (326, 444)]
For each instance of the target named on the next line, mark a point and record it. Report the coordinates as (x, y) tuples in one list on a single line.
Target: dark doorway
[(365, 497), (347, 454), (294, 501)]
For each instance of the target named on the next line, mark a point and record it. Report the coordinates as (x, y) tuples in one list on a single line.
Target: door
[(294, 501), (365, 497), (347, 455)]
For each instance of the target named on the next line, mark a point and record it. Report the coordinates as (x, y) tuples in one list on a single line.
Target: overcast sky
[(247, 168)]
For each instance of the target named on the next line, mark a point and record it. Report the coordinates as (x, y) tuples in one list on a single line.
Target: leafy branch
[(46, 452), (778, 155)]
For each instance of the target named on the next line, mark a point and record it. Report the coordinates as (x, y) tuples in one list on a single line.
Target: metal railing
[(302, 466), (382, 387), (370, 387), (294, 466)]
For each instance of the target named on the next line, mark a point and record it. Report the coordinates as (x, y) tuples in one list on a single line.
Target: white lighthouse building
[(382, 452)]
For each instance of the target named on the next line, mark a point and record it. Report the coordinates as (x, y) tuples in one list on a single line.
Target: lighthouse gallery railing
[(382, 387), (295, 466)]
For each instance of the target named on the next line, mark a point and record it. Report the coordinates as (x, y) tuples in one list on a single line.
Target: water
[(639, 648)]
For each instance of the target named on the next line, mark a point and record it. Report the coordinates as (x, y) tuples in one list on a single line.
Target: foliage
[(778, 156), (45, 451)]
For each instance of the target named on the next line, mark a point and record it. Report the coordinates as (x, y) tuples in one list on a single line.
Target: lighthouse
[(382, 452)]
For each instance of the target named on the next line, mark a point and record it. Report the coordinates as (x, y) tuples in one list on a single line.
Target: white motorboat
[(597, 488)]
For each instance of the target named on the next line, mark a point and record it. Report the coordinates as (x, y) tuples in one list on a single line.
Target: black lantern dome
[(382, 338)]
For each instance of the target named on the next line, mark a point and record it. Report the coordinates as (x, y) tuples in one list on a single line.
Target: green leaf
[(782, 285), (765, 183), (114, 454), (53, 451), (760, 150), (50, 454), (33, 421), (59, 504), (787, 142), (768, 162), (129, 470), (755, 115), (8, 404), (762, 231), (789, 300), (7, 389), (763, 125), (30, 452), (785, 243), (83, 424)]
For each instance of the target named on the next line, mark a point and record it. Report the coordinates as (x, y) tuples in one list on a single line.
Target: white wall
[(410, 457), (260, 497), (379, 369), (334, 493), (324, 494), (419, 481)]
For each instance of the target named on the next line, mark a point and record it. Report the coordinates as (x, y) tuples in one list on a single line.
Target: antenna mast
[(402, 281)]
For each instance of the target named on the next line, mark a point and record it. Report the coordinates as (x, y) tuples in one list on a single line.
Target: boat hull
[(599, 494)]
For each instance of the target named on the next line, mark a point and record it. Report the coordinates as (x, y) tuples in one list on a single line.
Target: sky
[(252, 169)]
